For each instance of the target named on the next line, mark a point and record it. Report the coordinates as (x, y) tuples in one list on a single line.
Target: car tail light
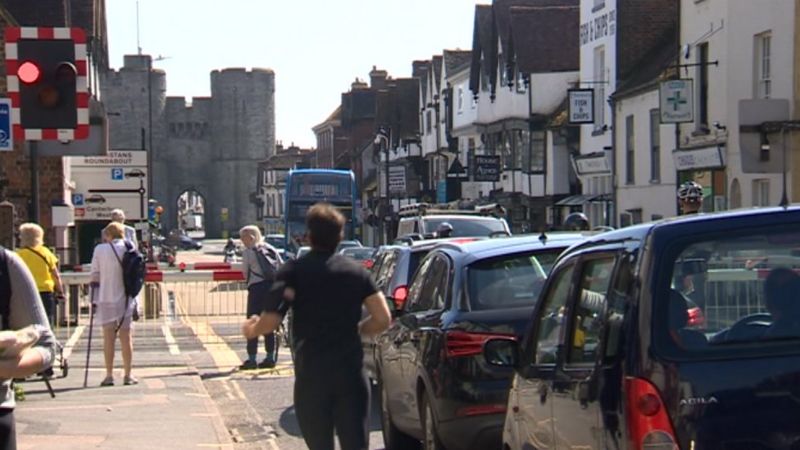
[(367, 263), (399, 296), (649, 427), (696, 318), (461, 343), (480, 410)]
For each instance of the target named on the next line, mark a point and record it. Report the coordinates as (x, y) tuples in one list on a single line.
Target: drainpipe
[(612, 221)]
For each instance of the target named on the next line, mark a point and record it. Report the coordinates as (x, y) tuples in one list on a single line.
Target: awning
[(577, 200)]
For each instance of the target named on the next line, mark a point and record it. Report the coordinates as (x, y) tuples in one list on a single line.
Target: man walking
[(326, 293), (118, 216)]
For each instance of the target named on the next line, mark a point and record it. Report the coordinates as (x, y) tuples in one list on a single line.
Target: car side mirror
[(501, 352)]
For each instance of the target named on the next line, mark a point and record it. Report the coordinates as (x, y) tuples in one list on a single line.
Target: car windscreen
[(359, 253), (508, 281), (277, 242), (731, 295), (466, 226)]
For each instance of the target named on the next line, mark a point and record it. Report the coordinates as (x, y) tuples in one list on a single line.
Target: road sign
[(117, 174), (676, 101), (6, 140), (487, 168), (397, 179), (581, 105), (77, 200)]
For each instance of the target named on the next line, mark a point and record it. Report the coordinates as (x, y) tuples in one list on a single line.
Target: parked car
[(434, 383), (664, 336), (279, 242), (187, 243), (347, 244), (363, 255), (392, 271)]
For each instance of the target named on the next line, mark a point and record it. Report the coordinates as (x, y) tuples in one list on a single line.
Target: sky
[(316, 47)]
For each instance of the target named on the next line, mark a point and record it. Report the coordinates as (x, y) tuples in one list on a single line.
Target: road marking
[(171, 343), (73, 339), (223, 355)]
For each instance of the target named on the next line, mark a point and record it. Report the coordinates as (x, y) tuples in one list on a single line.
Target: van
[(678, 334)]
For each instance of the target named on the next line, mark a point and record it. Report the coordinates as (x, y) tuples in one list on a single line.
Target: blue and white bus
[(305, 187)]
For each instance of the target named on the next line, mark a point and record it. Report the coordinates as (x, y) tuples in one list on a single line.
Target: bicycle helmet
[(690, 191), (576, 221)]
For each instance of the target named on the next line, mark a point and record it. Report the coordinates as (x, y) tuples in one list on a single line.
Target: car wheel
[(431, 437), (393, 438)]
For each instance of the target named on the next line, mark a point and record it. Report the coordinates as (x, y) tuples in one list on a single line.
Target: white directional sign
[(104, 183), (676, 101)]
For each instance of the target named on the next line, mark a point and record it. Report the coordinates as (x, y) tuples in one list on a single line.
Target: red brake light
[(461, 343), (367, 263), (28, 72), (696, 318), (649, 425), (399, 296)]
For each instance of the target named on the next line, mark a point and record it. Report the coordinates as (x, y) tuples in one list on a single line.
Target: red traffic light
[(29, 72)]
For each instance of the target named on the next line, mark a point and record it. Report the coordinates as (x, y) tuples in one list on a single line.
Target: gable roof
[(456, 60), (483, 52), (545, 39)]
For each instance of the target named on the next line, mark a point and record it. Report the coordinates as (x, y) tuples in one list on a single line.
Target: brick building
[(16, 168)]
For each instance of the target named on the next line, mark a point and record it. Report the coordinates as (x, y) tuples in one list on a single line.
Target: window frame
[(763, 65), (630, 150), (584, 261), (655, 146)]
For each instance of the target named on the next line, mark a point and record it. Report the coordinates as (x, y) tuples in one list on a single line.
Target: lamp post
[(384, 134)]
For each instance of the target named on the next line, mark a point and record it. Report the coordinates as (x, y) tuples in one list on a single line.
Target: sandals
[(107, 381), (130, 381)]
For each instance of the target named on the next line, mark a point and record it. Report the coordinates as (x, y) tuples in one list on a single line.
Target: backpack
[(133, 269), (269, 260)]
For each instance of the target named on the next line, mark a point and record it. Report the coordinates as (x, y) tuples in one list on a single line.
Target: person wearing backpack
[(115, 309), (43, 265), (260, 262)]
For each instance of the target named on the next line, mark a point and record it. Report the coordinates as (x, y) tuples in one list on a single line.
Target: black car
[(392, 271), (435, 384), (682, 334), (187, 243)]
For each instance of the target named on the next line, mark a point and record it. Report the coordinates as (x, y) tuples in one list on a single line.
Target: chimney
[(378, 78), (358, 84)]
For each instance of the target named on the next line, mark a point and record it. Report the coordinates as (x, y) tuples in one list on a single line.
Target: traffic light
[(47, 72)]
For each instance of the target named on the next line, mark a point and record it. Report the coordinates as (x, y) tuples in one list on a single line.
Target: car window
[(466, 226), (587, 316), (550, 320), (387, 269), (415, 290), (617, 306), (507, 281), (434, 291), (734, 294)]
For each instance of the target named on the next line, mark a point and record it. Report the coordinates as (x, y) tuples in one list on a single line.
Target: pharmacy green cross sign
[(676, 101)]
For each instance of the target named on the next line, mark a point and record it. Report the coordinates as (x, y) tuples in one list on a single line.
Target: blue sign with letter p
[(6, 140)]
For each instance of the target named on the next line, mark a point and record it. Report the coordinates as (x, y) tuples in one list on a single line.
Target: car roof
[(694, 221), (490, 247), (473, 217)]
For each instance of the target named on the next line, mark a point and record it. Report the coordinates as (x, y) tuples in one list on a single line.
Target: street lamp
[(384, 134)]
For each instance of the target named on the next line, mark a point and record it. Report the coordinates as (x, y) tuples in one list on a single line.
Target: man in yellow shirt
[(43, 264)]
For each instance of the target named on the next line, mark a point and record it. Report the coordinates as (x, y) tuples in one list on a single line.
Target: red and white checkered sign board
[(12, 36)]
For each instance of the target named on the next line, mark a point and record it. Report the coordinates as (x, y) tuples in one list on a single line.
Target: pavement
[(169, 408)]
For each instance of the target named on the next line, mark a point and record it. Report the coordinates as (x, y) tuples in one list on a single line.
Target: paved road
[(255, 404)]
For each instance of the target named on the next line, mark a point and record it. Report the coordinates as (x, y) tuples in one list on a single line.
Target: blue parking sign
[(117, 174), (6, 140), (77, 199)]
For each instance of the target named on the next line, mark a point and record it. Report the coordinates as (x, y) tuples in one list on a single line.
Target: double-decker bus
[(305, 187)]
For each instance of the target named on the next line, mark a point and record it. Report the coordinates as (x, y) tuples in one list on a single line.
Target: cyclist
[(690, 197)]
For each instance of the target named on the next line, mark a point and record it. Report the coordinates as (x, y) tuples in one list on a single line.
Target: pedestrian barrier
[(212, 302), (731, 294)]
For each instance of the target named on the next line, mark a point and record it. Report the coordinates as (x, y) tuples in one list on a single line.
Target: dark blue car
[(679, 334), (435, 384)]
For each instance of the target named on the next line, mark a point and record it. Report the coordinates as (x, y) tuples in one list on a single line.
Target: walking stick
[(92, 292)]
